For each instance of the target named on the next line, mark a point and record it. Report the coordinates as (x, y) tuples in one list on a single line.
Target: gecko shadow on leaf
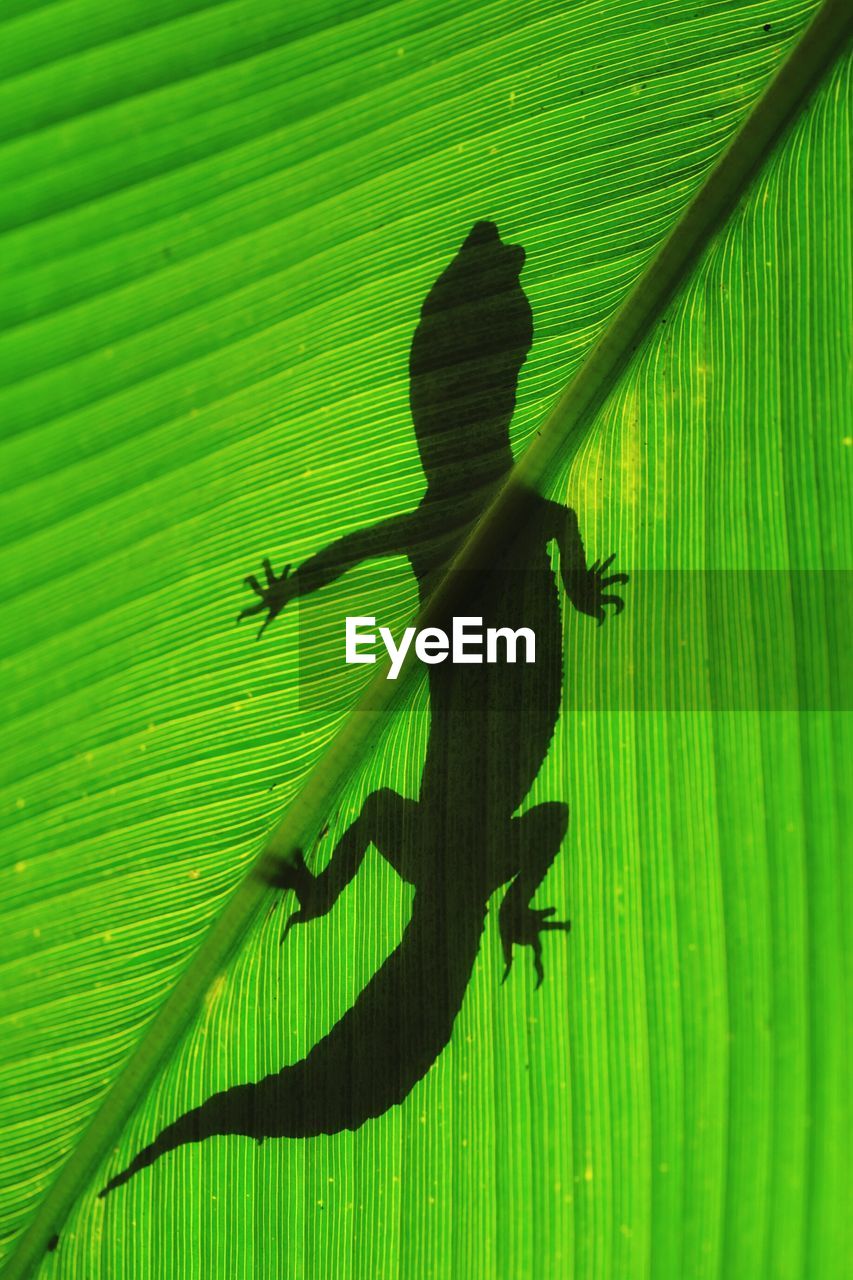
[(490, 728)]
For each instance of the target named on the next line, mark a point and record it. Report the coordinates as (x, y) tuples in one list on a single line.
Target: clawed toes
[(292, 874), (545, 923), (524, 931), (593, 597), (296, 918), (271, 576), (272, 596), (250, 611)]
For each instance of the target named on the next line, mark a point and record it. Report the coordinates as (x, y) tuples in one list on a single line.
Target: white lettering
[(396, 654), (354, 639), (461, 637), (511, 638), (431, 645)]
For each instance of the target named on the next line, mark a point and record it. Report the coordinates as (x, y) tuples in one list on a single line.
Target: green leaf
[(219, 224)]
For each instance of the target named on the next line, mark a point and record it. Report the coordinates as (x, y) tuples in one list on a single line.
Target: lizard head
[(474, 334)]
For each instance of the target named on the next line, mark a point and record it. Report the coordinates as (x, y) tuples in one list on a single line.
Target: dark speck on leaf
[(52, 1243), (767, 26)]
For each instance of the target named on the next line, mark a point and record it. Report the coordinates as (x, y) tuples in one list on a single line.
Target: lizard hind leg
[(384, 819), (536, 838)]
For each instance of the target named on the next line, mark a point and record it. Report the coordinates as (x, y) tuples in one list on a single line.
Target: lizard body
[(490, 729)]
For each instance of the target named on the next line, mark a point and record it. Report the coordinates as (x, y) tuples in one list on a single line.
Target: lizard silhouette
[(490, 729)]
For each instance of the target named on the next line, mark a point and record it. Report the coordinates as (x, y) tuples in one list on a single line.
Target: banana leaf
[(218, 223)]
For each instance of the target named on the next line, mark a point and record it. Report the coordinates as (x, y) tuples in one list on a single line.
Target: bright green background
[(219, 223)]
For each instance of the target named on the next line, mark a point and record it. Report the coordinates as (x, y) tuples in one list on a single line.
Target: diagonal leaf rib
[(557, 439)]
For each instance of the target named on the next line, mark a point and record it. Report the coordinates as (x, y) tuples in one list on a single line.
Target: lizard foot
[(591, 590), (272, 596), (522, 926), (295, 875)]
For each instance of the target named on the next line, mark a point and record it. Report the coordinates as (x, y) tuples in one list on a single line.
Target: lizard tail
[(369, 1061)]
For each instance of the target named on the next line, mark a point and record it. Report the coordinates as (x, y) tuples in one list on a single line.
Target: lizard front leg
[(536, 840)]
